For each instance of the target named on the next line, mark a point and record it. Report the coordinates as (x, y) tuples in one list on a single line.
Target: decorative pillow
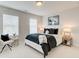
[(55, 31), (51, 30), (5, 37), (47, 32), (42, 39)]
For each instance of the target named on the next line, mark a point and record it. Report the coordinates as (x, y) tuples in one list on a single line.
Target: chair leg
[(2, 48), (9, 46)]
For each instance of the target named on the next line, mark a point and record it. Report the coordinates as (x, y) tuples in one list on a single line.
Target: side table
[(68, 41)]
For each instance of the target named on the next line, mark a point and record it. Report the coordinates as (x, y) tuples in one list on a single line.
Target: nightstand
[(67, 40), (67, 36)]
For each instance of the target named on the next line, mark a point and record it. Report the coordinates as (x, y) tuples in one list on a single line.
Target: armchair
[(5, 41)]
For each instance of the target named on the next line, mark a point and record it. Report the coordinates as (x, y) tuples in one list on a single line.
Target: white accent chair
[(6, 43)]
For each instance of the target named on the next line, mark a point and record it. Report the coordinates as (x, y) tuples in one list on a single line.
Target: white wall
[(23, 20), (1, 23), (68, 18)]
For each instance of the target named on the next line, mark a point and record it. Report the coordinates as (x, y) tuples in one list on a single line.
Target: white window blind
[(10, 24), (33, 26)]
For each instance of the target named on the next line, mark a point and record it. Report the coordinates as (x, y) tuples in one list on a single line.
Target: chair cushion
[(5, 37)]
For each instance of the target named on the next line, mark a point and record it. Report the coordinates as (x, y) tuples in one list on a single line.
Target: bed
[(42, 42)]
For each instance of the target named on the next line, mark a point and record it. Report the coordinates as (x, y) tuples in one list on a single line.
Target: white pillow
[(42, 39), (47, 32)]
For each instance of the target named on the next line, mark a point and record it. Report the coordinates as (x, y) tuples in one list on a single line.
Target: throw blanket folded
[(47, 45), (33, 38)]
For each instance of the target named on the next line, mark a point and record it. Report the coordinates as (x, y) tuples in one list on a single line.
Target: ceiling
[(47, 8)]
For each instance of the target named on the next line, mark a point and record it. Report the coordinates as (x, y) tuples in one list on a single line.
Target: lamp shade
[(41, 28), (66, 31)]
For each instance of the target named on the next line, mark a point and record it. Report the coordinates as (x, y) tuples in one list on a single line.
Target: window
[(33, 26), (10, 24)]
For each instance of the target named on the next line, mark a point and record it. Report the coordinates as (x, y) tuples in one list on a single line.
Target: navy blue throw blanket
[(51, 42), (33, 38)]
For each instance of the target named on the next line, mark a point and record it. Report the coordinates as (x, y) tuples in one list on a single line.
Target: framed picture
[(53, 20)]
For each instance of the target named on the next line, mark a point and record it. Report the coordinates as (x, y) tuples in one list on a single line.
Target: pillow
[(47, 32), (55, 31), (51, 30), (42, 39), (5, 37)]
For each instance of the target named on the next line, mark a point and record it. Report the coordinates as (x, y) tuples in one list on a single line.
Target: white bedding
[(58, 39), (38, 47), (42, 39)]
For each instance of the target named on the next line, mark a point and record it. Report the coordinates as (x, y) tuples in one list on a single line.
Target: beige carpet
[(23, 51)]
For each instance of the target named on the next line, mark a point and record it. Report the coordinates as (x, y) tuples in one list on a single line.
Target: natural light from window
[(10, 24), (33, 26)]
